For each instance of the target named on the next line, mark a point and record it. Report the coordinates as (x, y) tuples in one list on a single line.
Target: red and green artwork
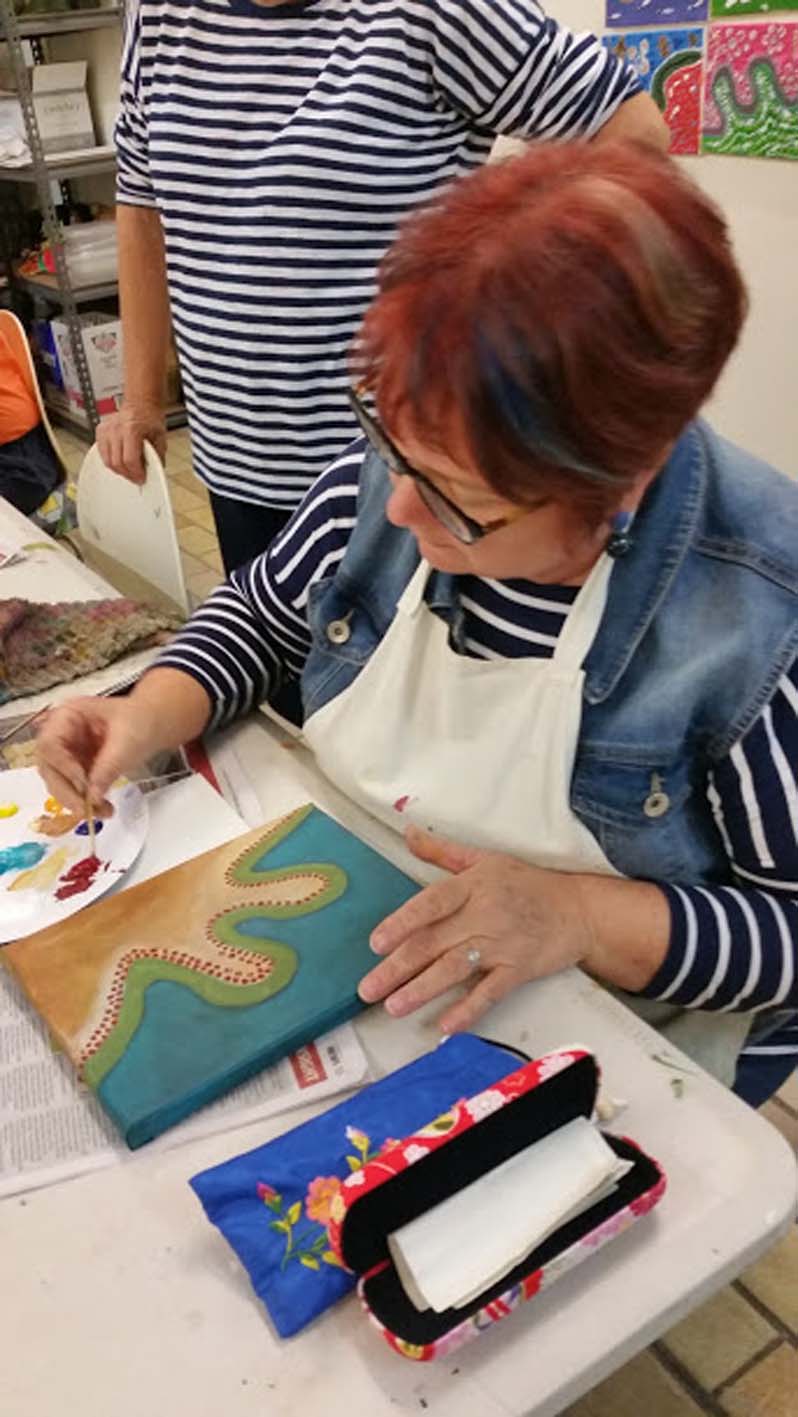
[(669, 64), (751, 94)]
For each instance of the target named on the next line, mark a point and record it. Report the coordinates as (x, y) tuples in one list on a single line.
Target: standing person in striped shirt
[(542, 609), (267, 154)]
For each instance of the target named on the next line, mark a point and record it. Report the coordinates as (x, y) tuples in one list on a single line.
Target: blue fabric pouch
[(272, 1204)]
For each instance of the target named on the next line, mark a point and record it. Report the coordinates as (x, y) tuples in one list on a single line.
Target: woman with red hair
[(539, 609)]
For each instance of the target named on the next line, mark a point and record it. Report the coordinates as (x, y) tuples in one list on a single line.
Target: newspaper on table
[(52, 1128)]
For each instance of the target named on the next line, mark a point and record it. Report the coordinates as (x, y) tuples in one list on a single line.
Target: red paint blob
[(79, 877)]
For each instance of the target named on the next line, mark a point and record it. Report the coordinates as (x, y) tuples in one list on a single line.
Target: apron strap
[(413, 594), (582, 622)]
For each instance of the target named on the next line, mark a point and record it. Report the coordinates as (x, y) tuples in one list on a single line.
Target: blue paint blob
[(82, 829), (21, 858)]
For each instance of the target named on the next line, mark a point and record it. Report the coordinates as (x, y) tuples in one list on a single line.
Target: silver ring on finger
[(474, 958)]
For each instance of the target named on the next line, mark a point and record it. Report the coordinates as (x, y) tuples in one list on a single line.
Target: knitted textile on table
[(43, 645)]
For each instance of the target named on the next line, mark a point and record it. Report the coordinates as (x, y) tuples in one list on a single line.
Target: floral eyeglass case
[(273, 1204), (443, 1156)]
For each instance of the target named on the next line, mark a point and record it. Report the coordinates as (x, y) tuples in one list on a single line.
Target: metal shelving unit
[(42, 171)]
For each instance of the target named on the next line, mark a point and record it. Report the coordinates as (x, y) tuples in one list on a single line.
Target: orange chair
[(16, 341)]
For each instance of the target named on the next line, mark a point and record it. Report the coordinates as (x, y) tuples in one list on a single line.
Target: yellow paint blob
[(53, 805), (45, 875), (8, 809)]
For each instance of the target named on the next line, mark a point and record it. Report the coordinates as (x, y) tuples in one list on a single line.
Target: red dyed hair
[(600, 283)]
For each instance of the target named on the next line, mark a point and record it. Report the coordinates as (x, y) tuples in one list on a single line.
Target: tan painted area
[(66, 969), (45, 875)]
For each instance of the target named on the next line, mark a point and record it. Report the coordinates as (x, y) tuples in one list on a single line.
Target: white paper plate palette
[(47, 870)]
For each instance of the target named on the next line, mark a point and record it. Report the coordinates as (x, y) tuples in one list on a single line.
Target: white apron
[(482, 751)]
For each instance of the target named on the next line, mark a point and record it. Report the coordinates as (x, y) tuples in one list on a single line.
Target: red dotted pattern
[(256, 968)]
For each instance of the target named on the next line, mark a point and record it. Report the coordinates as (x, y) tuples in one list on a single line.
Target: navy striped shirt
[(282, 146), (731, 947)]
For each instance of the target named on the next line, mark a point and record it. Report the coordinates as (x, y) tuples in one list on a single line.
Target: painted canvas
[(621, 13), (669, 64), (751, 95), (171, 993)]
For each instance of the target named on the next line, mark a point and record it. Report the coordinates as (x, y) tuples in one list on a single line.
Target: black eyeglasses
[(450, 516)]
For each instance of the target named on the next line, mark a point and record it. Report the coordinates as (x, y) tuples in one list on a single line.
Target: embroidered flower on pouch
[(443, 1124), (414, 1153), (337, 1208), (357, 1138), (484, 1103), (269, 1196), (320, 1196)]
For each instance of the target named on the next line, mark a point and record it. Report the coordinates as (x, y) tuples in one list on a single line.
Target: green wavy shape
[(675, 61), (243, 869)]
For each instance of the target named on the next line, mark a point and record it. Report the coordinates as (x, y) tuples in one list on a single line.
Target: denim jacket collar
[(663, 532)]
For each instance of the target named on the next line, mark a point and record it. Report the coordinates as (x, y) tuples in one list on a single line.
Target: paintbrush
[(90, 825)]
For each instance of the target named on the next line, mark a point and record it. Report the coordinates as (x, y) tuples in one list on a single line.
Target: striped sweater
[(282, 146)]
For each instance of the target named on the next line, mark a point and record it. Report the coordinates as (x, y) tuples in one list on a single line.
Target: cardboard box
[(102, 341), (62, 106)]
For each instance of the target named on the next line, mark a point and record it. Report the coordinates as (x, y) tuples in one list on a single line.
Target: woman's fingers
[(64, 751), (486, 992), (450, 968), (62, 790), (434, 903), (414, 954), (441, 851)]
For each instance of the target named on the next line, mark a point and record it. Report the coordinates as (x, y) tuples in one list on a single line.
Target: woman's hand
[(525, 923), (86, 744)]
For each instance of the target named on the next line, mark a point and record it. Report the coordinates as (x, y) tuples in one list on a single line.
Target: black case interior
[(528, 1118)]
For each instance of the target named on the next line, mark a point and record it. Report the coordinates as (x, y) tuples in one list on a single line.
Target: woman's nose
[(404, 506)]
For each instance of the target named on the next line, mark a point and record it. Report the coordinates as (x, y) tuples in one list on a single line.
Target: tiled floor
[(736, 1356)]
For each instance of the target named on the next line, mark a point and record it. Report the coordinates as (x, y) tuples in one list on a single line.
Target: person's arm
[(144, 309), (229, 656), (637, 119), (143, 292), (513, 70)]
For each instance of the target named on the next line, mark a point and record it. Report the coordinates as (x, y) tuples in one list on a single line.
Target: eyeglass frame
[(452, 518)]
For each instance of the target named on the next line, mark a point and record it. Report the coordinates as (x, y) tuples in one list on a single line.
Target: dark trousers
[(29, 470), (758, 1078), (245, 529)]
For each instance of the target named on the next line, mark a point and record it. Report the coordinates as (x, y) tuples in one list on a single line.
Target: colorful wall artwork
[(669, 64), (188, 983), (751, 93), (621, 13), (734, 9)]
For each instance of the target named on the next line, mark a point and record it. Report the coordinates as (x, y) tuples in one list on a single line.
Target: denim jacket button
[(338, 631), (656, 804)]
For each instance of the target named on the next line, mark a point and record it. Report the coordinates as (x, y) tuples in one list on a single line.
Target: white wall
[(756, 403)]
